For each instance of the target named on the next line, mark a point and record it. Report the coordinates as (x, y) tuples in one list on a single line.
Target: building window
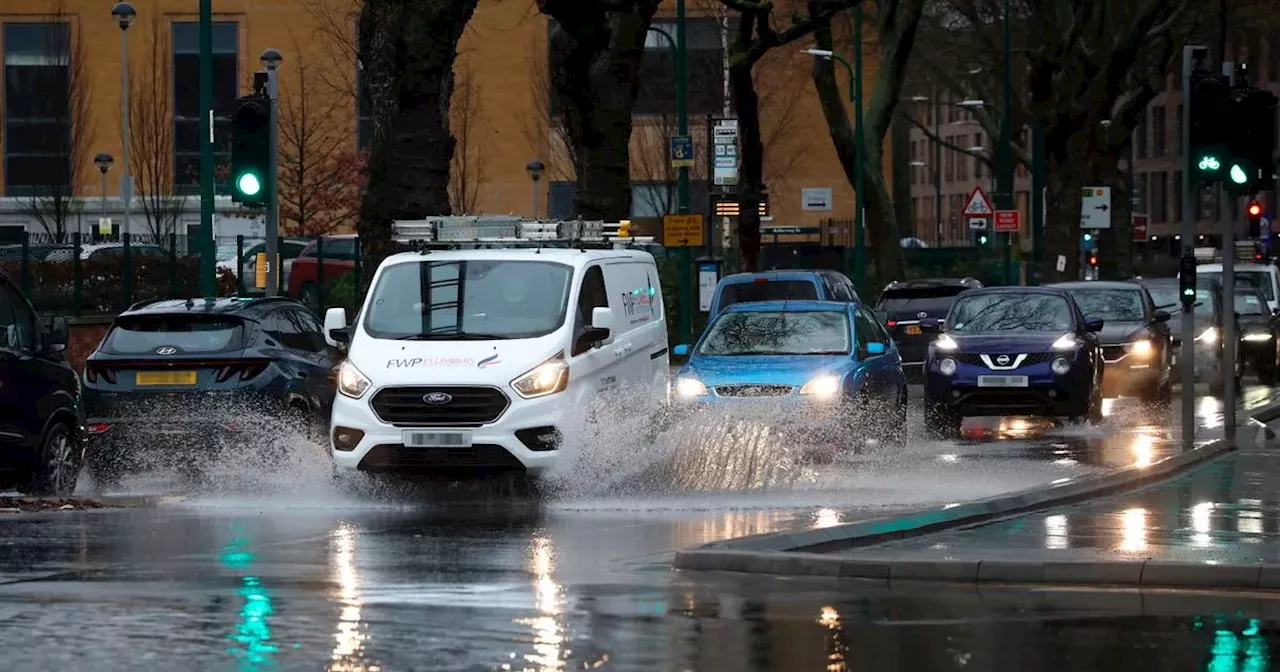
[(1177, 133), (1140, 191), (962, 165), (977, 160), (1160, 197), (186, 100), (1273, 57), (1140, 140), (951, 160), (1158, 137), (1177, 196), (37, 108)]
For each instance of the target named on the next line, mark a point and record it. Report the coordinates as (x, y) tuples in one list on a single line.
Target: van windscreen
[(781, 290)]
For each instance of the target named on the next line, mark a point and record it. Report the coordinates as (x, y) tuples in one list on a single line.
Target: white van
[(472, 359), (1265, 276)]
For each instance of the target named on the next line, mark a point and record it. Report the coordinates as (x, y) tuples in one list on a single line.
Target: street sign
[(724, 143), (1140, 228), (1061, 265), (1095, 208), (104, 226), (1007, 220), (681, 151), (978, 223), (791, 230), (682, 230), (978, 204)]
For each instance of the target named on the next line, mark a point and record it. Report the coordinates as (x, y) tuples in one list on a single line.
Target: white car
[(475, 358), (289, 249), (1265, 276)]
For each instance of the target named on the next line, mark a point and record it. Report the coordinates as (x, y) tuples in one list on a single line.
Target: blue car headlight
[(822, 387), (1061, 366), (687, 386), (947, 367)]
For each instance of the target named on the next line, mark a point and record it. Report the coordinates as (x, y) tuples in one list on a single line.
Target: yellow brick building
[(501, 105)]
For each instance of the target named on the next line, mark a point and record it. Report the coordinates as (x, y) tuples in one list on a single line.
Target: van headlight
[(822, 387), (546, 378), (690, 387), (352, 383)]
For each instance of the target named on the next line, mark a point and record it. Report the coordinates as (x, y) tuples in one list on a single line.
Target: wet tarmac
[(304, 577)]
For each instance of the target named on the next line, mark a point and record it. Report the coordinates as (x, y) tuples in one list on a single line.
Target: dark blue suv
[(1012, 351), (39, 421), (173, 377)]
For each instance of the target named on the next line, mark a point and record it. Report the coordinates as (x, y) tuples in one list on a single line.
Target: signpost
[(724, 142), (681, 151), (1095, 208), (682, 231), (1139, 228), (978, 223), (978, 204), (1007, 220)]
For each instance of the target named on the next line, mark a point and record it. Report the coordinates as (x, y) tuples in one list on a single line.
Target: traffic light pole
[(1227, 211), (1190, 204), (208, 284), (273, 203)]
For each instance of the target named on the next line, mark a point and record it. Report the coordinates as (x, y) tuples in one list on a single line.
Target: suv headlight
[(352, 383), (1257, 336), (1140, 348), (546, 378), (690, 387)]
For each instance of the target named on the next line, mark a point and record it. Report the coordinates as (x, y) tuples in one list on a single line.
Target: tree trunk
[(1068, 173), (750, 164), (883, 238), (406, 50), (595, 77)]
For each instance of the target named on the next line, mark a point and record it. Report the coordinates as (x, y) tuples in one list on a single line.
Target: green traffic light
[(982, 240), (248, 184), (1209, 163), (1238, 175), (1088, 237)]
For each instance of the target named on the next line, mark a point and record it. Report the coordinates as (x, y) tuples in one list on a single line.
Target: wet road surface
[(308, 578)]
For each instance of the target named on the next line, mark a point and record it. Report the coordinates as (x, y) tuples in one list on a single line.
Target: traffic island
[(23, 504)]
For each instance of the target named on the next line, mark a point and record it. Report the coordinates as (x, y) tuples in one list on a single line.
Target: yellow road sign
[(682, 230)]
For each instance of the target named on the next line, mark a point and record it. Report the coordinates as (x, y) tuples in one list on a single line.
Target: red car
[(308, 271)]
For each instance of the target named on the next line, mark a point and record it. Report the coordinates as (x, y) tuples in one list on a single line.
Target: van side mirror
[(59, 333), (1162, 316), (681, 350), (602, 318), (336, 333)]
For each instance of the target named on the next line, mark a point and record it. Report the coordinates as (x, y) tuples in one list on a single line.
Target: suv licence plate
[(1002, 381), (913, 330), (413, 438)]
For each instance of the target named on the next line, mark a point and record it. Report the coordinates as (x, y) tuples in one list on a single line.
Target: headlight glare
[(546, 378), (1209, 336), (823, 387), (690, 387), (946, 343), (1067, 342), (352, 383), (1141, 348), (947, 366), (1257, 337), (1061, 366)]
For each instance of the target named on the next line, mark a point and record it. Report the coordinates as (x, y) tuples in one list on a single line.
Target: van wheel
[(59, 465)]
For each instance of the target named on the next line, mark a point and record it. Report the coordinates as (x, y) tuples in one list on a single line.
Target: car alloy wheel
[(60, 469)]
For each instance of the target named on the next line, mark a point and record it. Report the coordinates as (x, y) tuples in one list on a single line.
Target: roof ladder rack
[(455, 232)]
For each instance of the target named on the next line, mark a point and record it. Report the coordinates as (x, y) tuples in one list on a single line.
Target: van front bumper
[(525, 438)]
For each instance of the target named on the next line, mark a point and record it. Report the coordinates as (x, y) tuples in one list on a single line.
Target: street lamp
[(535, 169), (103, 161), (271, 59), (124, 14), (855, 97)]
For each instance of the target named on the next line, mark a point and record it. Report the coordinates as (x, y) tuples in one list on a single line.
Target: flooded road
[(283, 571)]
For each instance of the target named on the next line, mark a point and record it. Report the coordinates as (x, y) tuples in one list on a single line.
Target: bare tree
[(468, 170), (896, 23), (319, 168), (64, 133), (546, 131), (651, 154), (151, 135), (335, 32)]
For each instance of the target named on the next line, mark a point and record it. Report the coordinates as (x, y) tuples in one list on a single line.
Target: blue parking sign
[(681, 151)]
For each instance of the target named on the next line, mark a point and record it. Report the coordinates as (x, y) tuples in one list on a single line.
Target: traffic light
[(980, 238), (1088, 242), (251, 151), (1093, 260), (1210, 121), (1254, 211), (1187, 280), (1260, 120)]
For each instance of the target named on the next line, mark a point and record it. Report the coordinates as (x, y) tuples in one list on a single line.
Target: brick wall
[(83, 336)]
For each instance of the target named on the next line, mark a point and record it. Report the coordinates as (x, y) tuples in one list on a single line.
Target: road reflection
[(351, 636)]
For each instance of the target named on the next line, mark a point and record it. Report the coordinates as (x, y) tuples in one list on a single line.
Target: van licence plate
[(415, 438), (166, 378), (1002, 381)]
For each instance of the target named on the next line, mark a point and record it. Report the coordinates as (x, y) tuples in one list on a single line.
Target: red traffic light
[(1255, 209), (1093, 260)]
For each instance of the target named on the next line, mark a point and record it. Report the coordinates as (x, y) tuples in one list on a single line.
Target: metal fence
[(80, 276)]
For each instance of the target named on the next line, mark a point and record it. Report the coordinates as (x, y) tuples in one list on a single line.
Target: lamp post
[(104, 161), (124, 14), (271, 59), (535, 169), (855, 97)]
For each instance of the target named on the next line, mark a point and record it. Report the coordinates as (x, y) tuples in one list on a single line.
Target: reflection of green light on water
[(1227, 654), (236, 555), (253, 633)]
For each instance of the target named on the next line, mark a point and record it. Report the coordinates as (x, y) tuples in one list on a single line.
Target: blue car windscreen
[(1010, 312), (778, 333)]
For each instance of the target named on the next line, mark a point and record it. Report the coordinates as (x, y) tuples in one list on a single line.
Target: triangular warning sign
[(978, 204)]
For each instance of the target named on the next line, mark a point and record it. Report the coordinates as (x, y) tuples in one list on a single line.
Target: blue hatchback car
[(826, 356), (1012, 351)]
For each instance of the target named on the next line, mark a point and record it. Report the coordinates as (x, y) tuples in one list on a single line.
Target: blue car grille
[(976, 359), (753, 390)]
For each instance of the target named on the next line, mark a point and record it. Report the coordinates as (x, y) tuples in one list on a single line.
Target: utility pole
[(271, 58), (208, 284), (682, 189), (1004, 195)]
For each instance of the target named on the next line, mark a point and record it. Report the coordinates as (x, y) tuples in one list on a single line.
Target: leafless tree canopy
[(63, 135), (151, 134), (468, 171)]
